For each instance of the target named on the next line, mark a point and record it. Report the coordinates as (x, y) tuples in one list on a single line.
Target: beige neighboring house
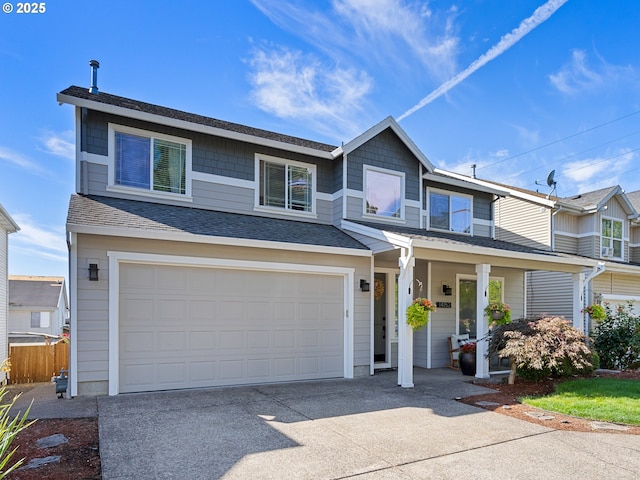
[(38, 308), (602, 225), (7, 226)]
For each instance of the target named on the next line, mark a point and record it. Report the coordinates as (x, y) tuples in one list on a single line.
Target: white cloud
[(20, 160), (598, 172), (39, 241), (540, 15), (578, 76), (292, 85), (60, 144)]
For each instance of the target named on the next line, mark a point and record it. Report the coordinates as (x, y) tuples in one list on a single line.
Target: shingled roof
[(34, 291), (95, 211), (136, 105)]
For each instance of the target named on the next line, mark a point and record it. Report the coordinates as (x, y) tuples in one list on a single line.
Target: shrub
[(617, 338), (542, 347)]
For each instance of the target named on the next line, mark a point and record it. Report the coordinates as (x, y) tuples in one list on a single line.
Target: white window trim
[(111, 176), (285, 211), (401, 175), (622, 239), (449, 194)]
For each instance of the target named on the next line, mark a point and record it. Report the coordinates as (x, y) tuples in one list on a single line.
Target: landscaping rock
[(52, 441), (539, 415), (608, 426), (41, 462)]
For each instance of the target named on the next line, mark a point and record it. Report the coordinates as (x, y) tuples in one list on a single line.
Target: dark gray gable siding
[(211, 154), (482, 201), (97, 211), (385, 150)]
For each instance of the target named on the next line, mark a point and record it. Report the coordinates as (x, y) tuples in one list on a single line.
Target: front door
[(467, 302), (385, 319)]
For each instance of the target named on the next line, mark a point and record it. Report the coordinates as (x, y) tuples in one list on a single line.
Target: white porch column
[(578, 300), (405, 332), (482, 362)]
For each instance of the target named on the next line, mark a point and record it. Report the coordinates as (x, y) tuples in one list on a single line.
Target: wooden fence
[(37, 363)]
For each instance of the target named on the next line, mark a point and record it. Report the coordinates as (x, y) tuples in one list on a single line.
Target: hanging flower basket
[(418, 313), (498, 313), (595, 311)]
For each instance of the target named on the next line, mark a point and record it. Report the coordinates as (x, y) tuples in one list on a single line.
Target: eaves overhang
[(212, 240), (447, 178), (191, 126), (467, 248), (7, 222)]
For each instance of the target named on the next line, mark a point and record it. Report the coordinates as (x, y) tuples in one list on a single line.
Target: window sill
[(283, 211), (380, 218), (450, 231), (149, 193)]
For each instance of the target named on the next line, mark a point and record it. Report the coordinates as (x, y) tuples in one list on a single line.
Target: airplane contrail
[(540, 15)]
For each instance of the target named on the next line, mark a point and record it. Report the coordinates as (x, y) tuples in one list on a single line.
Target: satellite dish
[(550, 181)]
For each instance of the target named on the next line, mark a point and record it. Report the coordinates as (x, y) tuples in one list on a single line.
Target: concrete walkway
[(367, 428)]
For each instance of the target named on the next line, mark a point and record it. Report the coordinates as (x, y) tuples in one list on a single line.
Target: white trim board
[(117, 258)]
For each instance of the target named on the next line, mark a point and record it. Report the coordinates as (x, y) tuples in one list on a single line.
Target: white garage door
[(184, 327)]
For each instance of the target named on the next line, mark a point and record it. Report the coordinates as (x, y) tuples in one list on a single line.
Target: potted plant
[(467, 357), (498, 313), (595, 311), (418, 312)]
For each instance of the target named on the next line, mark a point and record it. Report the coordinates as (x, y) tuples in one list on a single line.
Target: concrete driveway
[(367, 428)]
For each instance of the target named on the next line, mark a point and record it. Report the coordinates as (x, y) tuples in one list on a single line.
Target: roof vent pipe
[(94, 76)]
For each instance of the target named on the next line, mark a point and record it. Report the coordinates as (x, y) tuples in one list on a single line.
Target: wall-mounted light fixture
[(93, 272), (364, 285), (446, 289)]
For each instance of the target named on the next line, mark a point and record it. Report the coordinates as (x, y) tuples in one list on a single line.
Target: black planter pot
[(468, 363)]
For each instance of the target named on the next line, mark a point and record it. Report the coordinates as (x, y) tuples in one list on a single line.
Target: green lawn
[(604, 399)]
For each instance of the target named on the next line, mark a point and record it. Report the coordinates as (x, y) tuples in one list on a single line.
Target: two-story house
[(38, 308), (7, 226), (601, 225), (209, 253)]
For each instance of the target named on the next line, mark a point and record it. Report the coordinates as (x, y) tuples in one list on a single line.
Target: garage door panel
[(206, 330)]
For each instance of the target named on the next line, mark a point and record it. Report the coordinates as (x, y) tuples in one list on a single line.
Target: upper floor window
[(286, 184), (147, 161), (450, 211), (611, 235), (383, 192)]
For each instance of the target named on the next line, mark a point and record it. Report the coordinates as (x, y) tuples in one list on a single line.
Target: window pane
[(617, 248), (439, 211), (384, 194), (467, 303), (35, 319), (495, 291), (169, 160), (300, 188), (272, 193), (617, 230), (132, 160), (460, 214), (606, 227)]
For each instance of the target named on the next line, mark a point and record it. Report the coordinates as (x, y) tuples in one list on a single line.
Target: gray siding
[(4, 295), (566, 244), (550, 293), (523, 222), (616, 284)]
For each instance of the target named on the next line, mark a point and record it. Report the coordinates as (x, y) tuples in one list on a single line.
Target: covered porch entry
[(459, 274)]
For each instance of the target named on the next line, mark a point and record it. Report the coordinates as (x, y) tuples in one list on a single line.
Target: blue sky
[(518, 88)]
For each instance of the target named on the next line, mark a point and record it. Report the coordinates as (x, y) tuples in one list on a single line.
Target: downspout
[(553, 228)]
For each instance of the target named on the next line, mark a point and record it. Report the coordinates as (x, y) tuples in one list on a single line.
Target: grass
[(604, 399)]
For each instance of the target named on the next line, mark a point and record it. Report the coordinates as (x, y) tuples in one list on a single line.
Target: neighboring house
[(601, 225), (208, 253), (37, 305), (7, 226)]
